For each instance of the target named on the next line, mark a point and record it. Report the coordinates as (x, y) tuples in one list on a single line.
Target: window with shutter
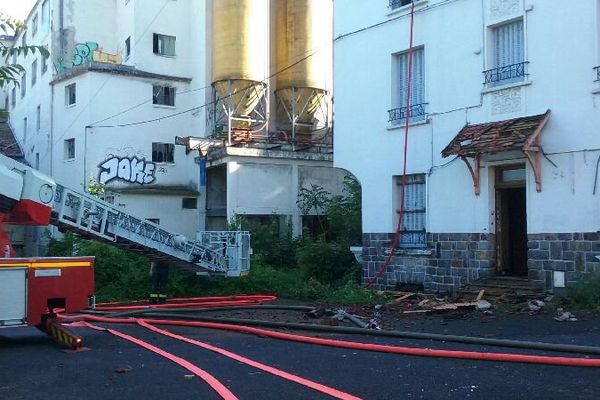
[(417, 112), (508, 58)]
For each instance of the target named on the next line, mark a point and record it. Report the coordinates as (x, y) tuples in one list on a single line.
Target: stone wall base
[(453, 260), (449, 261)]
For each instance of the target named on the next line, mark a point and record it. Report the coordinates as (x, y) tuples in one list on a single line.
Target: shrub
[(585, 293)]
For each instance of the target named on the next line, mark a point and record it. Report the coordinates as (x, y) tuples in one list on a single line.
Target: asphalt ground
[(33, 367)]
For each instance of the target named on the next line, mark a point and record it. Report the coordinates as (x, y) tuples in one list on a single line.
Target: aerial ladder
[(28, 197)]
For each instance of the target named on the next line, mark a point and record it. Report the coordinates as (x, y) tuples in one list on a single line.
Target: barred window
[(413, 229), (163, 152)]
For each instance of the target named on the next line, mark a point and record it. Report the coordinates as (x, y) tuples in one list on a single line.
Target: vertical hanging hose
[(406, 125)]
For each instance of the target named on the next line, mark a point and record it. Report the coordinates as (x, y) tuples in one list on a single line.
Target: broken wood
[(403, 297), (480, 295)]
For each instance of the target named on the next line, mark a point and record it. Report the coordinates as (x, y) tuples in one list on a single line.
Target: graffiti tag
[(84, 52), (129, 169)]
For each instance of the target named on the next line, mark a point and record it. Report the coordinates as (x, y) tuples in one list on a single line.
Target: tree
[(10, 72)]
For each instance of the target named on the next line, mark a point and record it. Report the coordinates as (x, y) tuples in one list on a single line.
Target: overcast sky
[(17, 9)]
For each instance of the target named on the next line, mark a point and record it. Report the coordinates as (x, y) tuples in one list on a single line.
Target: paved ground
[(32, 367)]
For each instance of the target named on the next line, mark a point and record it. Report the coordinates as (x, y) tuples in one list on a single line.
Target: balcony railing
[(597, 69), (399, 3), (505, 74), (418, 112)]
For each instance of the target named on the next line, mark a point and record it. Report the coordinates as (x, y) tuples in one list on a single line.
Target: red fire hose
[(406, 124), (469, 355)]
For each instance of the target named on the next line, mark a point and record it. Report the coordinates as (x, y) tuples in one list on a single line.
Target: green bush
[(585, 293), (327, 261)]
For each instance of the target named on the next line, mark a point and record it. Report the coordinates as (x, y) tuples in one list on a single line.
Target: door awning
[(520, 134)]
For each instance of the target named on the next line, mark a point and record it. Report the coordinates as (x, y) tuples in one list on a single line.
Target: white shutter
[(417, 90), (509, 48)]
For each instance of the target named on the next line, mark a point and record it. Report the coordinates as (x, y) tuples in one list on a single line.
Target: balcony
[(597, 69), (506, 74), (417, 113)]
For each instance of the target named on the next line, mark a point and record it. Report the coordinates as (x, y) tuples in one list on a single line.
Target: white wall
[(456, 52), (266, 186)]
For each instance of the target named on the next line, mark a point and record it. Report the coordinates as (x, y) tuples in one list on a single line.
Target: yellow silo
[(304, 35), (239, 60)]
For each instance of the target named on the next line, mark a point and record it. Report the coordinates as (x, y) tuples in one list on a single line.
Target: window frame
[(69, 149), (411, 238), (160, 98), (23, 85), (71, 94), (38, 114), (158, 44), (501, 72), (418, 100), (34, 68), (127, 47), (34, 25), (166, 152), (189, 203)]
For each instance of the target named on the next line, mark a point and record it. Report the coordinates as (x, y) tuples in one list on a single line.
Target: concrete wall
[(270, 186)]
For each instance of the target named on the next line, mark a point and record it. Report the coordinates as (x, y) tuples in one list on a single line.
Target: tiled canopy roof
[(8, 144), (493, 137)]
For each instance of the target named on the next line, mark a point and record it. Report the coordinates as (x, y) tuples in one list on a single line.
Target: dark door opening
[(511, 224)]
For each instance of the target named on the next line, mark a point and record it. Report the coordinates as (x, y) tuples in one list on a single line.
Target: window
[(13, 101), (24, 130), (34, 25), (70, 94), (34, 67), (163, 95), (189, 203), (417, 112), (163, 152), (23, 85), (399, 3), (45, 15), (163, 45), (154, 220), (38, 117), (37, 161), (508, 58), (69, 149), (44, 64), (128, 47), (413, 230)]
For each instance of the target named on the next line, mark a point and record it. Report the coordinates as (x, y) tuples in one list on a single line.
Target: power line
[(378, 24), (196, 108)]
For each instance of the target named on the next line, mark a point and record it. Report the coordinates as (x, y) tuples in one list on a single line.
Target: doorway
[(511, 221)]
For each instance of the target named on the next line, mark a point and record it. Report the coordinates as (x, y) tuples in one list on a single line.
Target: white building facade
[(503, 141), (125, 78)]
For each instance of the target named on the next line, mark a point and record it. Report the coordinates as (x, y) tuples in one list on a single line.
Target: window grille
[(397, 115), (413, 229)]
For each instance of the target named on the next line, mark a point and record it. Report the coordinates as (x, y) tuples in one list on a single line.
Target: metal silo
[(304, 36), (239, 65)]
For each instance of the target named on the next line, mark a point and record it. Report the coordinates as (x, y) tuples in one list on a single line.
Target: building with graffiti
[(161, 103)]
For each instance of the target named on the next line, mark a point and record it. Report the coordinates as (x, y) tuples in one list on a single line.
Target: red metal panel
[(75, 285), (29, 212)]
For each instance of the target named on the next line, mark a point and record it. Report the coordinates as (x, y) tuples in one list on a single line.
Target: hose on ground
[(412, 351), (568, 348)]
